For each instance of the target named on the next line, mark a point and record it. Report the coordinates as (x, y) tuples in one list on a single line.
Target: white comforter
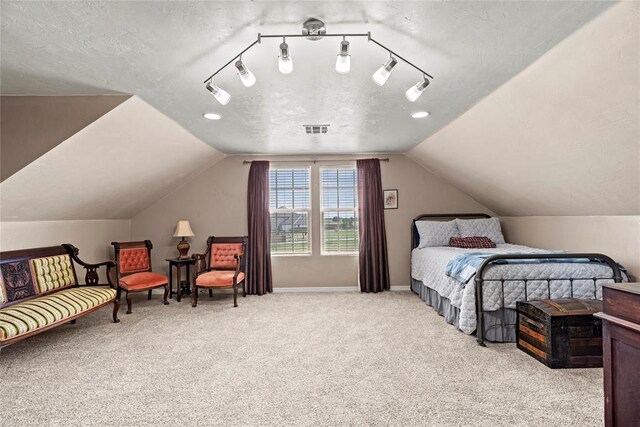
[(429, 265)]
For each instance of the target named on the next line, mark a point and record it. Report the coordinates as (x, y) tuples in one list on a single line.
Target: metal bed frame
[(493, 259)]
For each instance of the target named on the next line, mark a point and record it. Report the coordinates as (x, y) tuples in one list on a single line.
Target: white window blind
[(290, 206), (339, 210)]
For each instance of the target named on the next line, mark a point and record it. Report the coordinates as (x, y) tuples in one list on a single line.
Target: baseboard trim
[(303, 289), (331, 289), (317, 289)]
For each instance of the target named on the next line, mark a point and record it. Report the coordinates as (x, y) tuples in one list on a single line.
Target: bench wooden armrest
[(91, 275)]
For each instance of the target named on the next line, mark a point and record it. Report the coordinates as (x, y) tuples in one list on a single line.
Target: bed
[(500, 277)]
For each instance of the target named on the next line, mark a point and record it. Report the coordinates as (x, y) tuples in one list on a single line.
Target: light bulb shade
[(416, 90), (285, 65), (380, 77), (246, 76), (343, 64), (219, 94), (183, 229)]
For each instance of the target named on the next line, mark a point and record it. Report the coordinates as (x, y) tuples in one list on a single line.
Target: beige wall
[(560, 138), (215, 203), (92, 238), (616, 236), (32, 125)]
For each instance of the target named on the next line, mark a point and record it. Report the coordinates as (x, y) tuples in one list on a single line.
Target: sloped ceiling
[(162, 51), (562, 137), (33, 125), (112, 169)]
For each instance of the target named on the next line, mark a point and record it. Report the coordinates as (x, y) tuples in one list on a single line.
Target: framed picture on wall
[(391, 199)]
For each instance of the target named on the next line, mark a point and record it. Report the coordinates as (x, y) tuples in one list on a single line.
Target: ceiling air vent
[(313, 129)]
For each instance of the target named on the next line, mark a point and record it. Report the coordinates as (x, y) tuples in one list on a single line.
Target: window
[(339, 210), (290, 206)]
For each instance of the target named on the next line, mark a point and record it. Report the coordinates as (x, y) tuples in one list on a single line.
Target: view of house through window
[(290, 206), (339, 210)]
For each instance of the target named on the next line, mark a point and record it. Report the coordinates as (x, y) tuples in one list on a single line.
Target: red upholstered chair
[(221, 266), (133, 271)]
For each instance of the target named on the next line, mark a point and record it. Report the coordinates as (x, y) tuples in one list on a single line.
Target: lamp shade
[(183, 229)]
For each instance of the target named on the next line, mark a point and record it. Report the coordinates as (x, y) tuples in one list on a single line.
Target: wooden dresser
[(621, 354)]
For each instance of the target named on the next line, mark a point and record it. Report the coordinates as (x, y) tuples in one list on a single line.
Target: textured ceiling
[(161, 52), (562, 137), (112, 169)]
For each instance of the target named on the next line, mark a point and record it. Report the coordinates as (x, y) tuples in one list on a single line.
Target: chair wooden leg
[(244, 291), (166, 294), (210, 293), (194, 296), (116, 307), (128, 303), (235, 295), (149, 296)]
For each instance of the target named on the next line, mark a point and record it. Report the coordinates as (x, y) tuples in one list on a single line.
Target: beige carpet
[(284, 359)]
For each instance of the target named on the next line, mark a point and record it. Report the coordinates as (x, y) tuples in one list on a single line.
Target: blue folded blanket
[(464, 267)]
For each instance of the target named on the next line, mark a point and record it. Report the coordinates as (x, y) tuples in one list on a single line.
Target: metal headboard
[(415, 237)]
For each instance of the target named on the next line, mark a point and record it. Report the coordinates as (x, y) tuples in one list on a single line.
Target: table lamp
[(183, 229)]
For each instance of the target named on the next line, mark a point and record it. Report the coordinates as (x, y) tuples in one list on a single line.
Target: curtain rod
[(247, 162)]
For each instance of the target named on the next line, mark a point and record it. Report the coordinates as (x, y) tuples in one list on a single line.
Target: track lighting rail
[(367, 35)]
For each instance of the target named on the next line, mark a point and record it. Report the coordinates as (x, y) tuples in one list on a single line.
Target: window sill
[(339, 254), (290, 255)]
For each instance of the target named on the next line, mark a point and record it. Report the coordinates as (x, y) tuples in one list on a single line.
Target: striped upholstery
[(36, 313), (53, 272), (3, 297)]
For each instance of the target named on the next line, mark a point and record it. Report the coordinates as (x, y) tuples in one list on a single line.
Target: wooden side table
[(183, 286)]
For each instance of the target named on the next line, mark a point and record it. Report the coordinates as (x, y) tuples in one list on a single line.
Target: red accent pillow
[(475, 242)]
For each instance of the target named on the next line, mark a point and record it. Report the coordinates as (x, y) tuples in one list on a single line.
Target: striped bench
[(39, 290)]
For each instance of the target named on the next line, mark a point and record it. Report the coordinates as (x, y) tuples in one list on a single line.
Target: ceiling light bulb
[(380, 77), (416, 90), (343, 62), (285, 64), (212, 116), (246, 76), (219, 94), (420, 114)]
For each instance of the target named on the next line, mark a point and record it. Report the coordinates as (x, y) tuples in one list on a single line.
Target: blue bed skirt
[(499, 325)]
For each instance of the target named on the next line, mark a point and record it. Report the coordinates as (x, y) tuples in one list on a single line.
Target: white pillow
[(436, 233), (489, 227)]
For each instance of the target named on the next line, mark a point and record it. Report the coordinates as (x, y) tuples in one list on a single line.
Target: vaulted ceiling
[(560, 138), (112, 169), (162, 51)]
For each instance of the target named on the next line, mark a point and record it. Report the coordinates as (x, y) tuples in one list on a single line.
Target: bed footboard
[(479, 279)]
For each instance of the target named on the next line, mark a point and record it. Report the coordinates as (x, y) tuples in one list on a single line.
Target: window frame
[(322, 210), (309, 211)]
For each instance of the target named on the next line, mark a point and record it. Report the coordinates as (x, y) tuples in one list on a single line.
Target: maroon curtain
[(259, 226), (374, 265)]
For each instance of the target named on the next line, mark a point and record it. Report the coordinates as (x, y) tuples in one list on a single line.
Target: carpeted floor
[(284, 359)]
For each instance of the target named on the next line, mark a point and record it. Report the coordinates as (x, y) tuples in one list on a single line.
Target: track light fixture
[(381, 76), (246, 76), (219, 94), (314, 29), (416, 90), (343, 62), (285, 65)]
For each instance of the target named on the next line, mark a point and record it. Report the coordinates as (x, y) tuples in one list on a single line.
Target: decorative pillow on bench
[(474, 242)]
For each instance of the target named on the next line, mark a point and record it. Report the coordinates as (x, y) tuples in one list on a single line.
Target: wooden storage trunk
[(561, 333)]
